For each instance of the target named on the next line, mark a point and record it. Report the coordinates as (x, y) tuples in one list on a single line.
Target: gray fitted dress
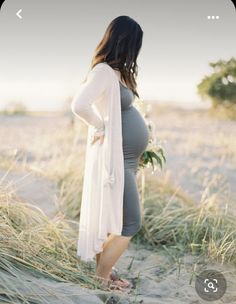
[(135, 137)]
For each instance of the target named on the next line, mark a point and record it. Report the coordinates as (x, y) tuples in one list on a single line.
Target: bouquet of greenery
[(153, 156)]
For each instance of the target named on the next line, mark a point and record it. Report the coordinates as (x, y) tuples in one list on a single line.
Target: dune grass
[(32, 242), (39, 244), (170, 217), (47, 247), (206, 228)]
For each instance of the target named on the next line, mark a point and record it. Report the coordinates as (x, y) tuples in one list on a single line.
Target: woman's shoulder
[(102, 66), (102, 69)]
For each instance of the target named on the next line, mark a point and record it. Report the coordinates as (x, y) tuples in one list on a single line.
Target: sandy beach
[(201, 158)]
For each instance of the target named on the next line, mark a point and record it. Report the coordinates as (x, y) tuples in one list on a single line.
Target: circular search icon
[(210, 285)]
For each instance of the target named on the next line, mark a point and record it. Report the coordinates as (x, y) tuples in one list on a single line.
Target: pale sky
[(45, 55)]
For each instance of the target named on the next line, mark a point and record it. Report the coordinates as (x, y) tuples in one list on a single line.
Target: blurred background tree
[(15, 108), (220, 86)]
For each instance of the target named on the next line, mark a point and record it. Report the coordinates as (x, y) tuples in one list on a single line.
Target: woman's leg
[(115, 245), (113, 248), (98, 255)]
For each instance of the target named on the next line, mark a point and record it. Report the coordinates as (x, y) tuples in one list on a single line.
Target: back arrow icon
[(18, 14)]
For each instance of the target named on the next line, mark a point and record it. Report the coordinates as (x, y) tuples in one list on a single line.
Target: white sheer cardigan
[(97, 103)]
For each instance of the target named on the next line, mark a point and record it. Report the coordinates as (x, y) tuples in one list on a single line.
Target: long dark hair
[(120, 47)]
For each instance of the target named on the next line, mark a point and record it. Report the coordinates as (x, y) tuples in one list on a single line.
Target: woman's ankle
[(103, 281), (103, 271)]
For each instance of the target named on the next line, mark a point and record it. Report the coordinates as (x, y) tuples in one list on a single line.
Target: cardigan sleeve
[(88, 92)]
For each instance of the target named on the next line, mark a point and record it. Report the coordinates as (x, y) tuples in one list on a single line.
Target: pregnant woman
[(118, 52)]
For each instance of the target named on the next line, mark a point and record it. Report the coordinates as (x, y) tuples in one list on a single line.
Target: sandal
[(109, 284), (123, 283), (114, 285)]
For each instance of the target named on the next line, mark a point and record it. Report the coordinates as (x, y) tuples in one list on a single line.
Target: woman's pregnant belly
[(135, 135)]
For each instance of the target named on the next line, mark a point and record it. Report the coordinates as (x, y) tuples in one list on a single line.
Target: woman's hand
[(98, 137), (98, 134)]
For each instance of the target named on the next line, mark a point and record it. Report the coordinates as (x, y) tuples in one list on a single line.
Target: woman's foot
[(110, 284), (123, 283), (115, 285)]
